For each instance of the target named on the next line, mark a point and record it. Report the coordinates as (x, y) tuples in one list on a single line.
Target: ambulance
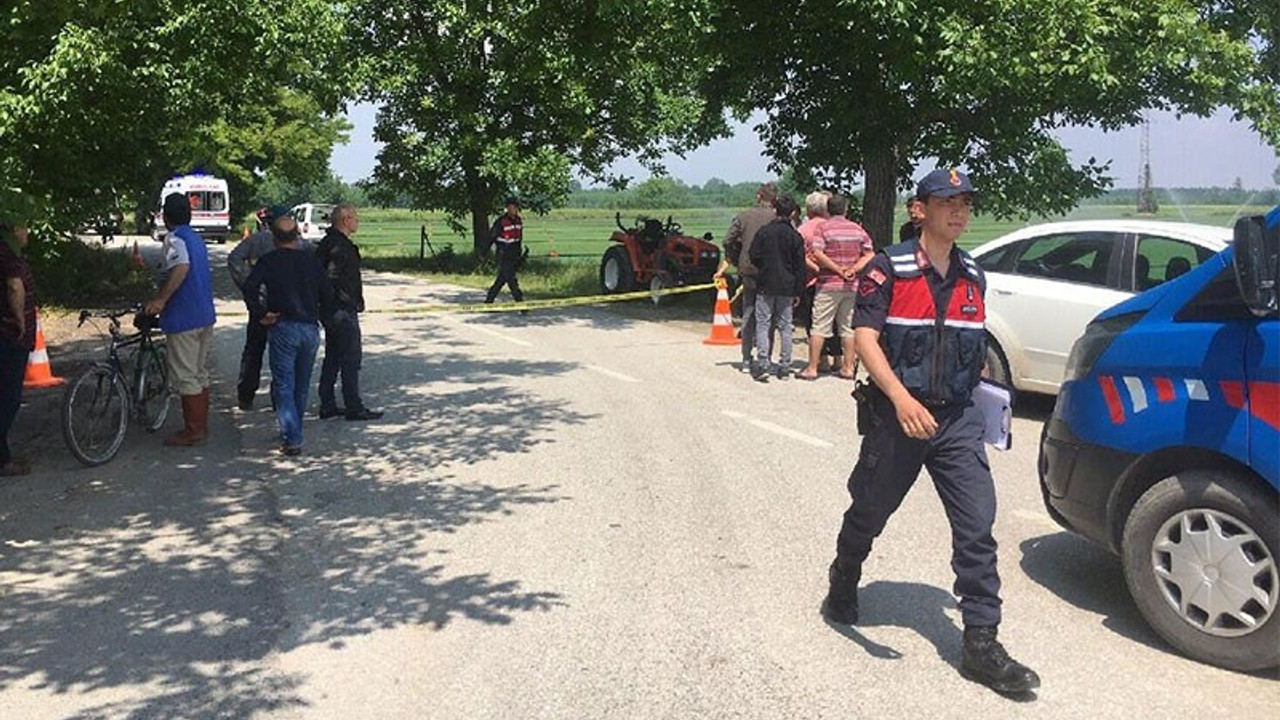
[(1164, 447), (210, 206)]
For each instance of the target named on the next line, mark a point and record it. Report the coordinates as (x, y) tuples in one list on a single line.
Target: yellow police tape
[(528, 305)]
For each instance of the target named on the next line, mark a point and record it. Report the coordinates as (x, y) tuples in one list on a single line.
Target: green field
[(580, 235)]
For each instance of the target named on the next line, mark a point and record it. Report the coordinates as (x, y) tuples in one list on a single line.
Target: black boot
[(841, 604), (985, 661)]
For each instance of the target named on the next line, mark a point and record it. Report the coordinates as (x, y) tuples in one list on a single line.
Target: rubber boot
[(985, 661), (841, 604), (195, 421)]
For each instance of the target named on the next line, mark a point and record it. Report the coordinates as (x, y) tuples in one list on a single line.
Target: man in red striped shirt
[(841, 248)]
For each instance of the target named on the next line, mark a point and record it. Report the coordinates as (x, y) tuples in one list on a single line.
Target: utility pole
[(1146, 198)]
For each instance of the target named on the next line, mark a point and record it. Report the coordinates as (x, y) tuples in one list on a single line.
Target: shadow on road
[(913, 606), (1088, 578), (159, 585)]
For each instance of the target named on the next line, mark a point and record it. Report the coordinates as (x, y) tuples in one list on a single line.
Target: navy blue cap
[(943, 183)]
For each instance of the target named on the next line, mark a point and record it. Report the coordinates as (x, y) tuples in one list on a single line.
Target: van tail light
[(1097, 337)]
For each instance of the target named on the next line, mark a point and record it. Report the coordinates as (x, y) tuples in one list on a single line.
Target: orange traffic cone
[(722, 322), (39, 374), (137, 256)]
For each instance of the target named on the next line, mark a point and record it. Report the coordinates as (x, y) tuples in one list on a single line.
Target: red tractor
[(656, 256)]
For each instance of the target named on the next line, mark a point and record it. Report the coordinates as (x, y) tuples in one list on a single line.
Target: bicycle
[(98, 404)]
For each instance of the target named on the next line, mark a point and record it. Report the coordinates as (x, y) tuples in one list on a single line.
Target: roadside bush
[(72, 274)]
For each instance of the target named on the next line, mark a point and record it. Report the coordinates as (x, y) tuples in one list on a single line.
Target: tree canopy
[(101, 100), (482, 99), (872, 89)]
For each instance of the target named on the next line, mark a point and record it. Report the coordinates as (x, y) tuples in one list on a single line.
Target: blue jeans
[(293, 352)]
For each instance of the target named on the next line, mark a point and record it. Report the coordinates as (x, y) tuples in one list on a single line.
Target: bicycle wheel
[(151, 388), (95, 415)]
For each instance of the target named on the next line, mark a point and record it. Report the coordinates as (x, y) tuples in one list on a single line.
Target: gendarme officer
[(508, 234), (919, 330)]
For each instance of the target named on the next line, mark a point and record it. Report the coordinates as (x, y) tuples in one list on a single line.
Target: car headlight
[(1098, 336)]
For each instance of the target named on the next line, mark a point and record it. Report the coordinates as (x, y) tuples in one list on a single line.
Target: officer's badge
[(871, 282), (969, 309)]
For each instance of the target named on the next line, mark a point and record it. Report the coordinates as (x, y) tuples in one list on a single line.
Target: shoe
[(364, 414), (291, 450), (328, 411), (985, 661), (15, 468), (760, 374), (782, 374), (245, 404), (841, 604), (195, 420)]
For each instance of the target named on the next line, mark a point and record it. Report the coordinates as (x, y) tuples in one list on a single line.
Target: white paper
[(996, 404)]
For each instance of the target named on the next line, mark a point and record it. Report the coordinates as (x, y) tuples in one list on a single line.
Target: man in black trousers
[(341, 317)]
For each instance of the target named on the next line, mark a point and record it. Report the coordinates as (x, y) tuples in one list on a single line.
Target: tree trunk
[(881, 197), (479, 202)]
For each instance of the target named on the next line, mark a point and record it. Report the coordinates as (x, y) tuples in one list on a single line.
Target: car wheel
[(997, 364), (1200, 553)]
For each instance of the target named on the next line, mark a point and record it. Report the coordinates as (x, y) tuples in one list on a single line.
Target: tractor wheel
[(616, 273), (659, 282)]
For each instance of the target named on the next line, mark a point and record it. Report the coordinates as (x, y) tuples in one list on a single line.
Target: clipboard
[(996, 402)]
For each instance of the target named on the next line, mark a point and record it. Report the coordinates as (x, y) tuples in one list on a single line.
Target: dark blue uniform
[(931, 328), (508, 235)]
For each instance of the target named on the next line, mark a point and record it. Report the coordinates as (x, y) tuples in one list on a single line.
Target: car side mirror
[(1257, 262)]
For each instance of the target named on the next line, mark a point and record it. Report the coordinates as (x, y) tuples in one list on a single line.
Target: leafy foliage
[(101, 100), (481, 99), (875, 88)]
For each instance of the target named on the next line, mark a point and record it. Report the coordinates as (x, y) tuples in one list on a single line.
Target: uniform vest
[(937, 353), (191, 305), (509, 231)]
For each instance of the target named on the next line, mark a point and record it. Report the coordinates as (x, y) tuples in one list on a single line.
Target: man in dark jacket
[(284, 293), (341, 317), (737, 252), (508, 235), (777, 253)]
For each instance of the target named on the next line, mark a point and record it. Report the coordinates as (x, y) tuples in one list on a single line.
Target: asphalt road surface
[(569, 514)]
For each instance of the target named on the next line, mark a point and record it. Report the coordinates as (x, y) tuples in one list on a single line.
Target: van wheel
[(1200, 552)]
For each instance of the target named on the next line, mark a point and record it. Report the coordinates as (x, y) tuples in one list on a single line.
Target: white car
[(1046, 282), (313, 220)]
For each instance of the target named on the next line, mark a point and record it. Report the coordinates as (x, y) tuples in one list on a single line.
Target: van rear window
[(207, 201)]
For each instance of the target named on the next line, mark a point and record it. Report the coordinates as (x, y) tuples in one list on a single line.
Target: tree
[(483, 99), (981, 84), (101, 100)]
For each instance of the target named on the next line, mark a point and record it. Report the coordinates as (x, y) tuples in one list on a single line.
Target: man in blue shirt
[(185, 307), (284, 293)]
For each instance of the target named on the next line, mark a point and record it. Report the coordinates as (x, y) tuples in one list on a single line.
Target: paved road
[(564, 515)]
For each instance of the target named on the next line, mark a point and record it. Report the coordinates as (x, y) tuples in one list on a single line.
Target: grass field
[(390, 239), (582, 235)]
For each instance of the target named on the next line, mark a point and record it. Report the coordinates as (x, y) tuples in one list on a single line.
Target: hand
[(848, 273), (916, 420), (153, 307), (270, 318)]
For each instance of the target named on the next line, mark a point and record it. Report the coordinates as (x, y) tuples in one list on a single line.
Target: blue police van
[(1164, 447)]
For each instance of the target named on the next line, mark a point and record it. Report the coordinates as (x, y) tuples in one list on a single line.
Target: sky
[(1185, 152)]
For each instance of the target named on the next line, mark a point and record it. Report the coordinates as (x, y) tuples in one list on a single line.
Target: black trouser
[(956, 460), (342, 355), (13, 367), (255, 344), (508, 262)]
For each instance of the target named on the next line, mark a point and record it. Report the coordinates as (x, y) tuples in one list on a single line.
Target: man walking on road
[(185, 307), (919, 329), (341, 317), (737, 251), (240, 262), (508, 234), (285, 292), (777, 252)]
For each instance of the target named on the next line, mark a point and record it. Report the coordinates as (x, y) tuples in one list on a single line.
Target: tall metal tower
[(1146, 198)]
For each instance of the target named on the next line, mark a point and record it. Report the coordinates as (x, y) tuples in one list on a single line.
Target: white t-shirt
[(175, 252)]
